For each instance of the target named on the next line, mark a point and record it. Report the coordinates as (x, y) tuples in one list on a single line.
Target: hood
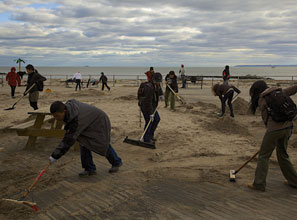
[(269, 90), (72, 107), (13, 69)]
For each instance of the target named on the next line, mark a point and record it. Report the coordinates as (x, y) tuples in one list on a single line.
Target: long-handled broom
[(25, 93), (234, 172), (33, 205), (140, 142)]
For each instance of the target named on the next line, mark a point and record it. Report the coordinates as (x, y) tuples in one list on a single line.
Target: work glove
[(52, 160), (162, 98), (152, 117)]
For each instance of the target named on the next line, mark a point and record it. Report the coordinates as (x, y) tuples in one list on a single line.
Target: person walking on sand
[(171, 80), (104, 79), (148, 98), (77, 77), (278, 132), (34, 77), (183, 76), (13, 80), (225, 93), (226, 75), (90, 127)]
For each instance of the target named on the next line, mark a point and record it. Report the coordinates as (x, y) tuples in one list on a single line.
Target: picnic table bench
[(36, 128), (195, 79)]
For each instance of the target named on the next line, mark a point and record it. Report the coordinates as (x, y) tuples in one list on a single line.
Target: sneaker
[(115, 169), (232, 115), (87, 173), (251, 186), (220, 114)]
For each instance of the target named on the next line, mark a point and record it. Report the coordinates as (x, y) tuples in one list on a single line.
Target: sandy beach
[(194, 147)]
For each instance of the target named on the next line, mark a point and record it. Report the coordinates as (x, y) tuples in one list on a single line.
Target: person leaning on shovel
[(225, 93), (148, 98), (171, 80), (34, 77), (277, 116), (90, 127)]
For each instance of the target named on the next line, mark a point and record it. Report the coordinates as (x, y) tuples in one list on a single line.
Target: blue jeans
[(149, 134), (87, 159)]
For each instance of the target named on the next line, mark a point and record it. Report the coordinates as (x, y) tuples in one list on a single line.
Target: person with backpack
[(90, 127), (277, 110), (226, 75), (148, 99), (225, 93), (13, 80), (103, 79), (34, 77), (171, 80)]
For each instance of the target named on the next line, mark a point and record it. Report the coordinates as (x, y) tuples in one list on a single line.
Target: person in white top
[(183, 76), (77, 78)]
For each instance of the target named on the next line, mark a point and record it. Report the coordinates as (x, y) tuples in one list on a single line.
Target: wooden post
[(2, 81), (37, 125), (113, 77), (237, 81), (137, 80)]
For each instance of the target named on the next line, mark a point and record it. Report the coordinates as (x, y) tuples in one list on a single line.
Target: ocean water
[(133, 72)]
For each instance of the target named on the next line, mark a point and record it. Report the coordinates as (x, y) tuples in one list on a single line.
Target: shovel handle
[(177, 96), (25, 93), (36, 180), (148, 124)]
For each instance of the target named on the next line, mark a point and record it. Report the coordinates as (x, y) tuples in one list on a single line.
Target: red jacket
[(13, 78)]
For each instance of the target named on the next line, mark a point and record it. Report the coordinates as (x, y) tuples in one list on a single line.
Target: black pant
[(228, 96), (77, 84), (12, 90), (105, 84), (34, 105)]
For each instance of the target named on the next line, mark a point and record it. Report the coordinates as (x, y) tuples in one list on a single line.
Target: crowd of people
[(91, 128)]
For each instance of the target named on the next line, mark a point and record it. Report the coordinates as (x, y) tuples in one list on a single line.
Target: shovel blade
[(11, 108), (139, 143)]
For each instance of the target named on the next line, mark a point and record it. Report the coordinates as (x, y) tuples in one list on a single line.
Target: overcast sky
[(148, 33)]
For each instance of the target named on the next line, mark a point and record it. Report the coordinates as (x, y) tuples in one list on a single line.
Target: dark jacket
[(149, 100), (272, 125), (35, 77), (172, 83), (87, 125), (103, 78), (226, 74), (222, 89)]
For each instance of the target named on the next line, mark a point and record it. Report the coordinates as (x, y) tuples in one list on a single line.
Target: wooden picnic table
[(35, 128)]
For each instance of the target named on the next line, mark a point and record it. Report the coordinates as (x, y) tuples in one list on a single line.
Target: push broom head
[(232, 176)]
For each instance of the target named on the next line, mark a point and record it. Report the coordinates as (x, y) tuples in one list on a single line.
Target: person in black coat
[(34, 77), (171, 80), (103, 78), (225, 93), (148, 99)]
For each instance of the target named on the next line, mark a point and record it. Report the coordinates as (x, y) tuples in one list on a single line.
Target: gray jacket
[(87, 125)]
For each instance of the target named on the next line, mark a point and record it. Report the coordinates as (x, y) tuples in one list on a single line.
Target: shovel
[(27, 191), (26, 92), (140, 142), (179, 98)]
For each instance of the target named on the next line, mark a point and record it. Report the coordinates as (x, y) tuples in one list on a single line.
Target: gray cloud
[(135, 32)]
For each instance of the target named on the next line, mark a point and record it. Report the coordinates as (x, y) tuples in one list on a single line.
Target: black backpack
[(281, 107)]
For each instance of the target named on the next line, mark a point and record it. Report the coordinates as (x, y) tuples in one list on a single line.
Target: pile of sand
[(226, 125), (240, 106), (127, 97)]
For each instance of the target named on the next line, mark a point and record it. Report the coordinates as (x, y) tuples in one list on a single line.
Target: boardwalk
[(117, 196)]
